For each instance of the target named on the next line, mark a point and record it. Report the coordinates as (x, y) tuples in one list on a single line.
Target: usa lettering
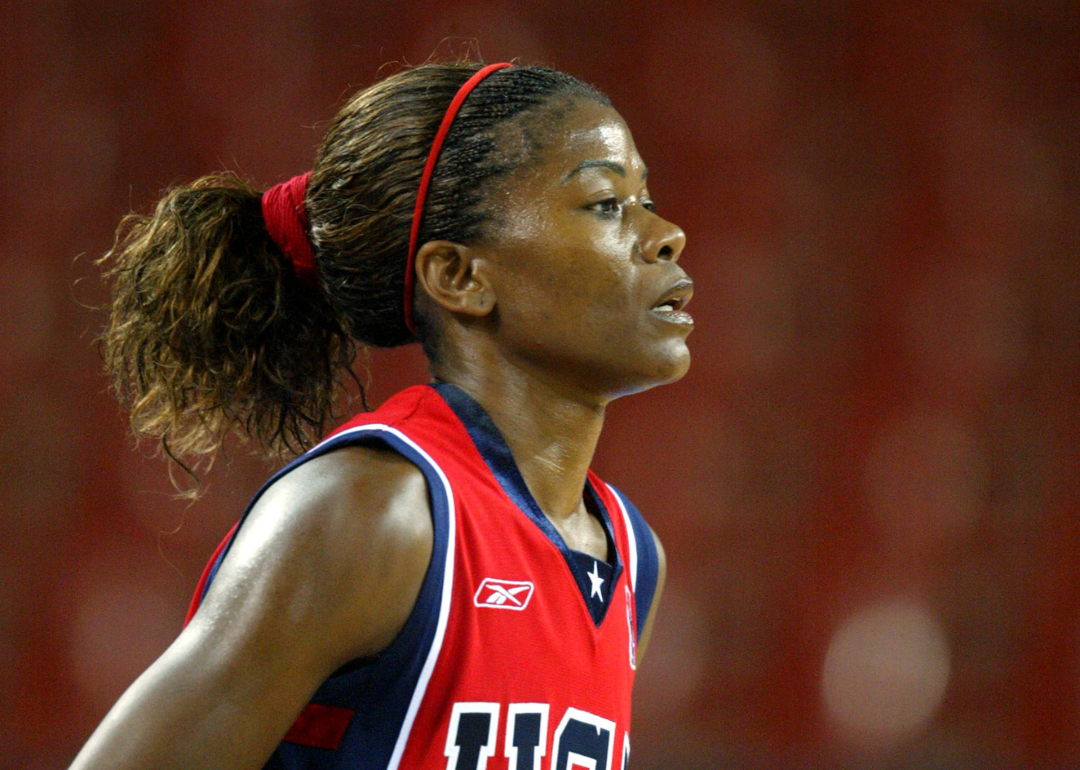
[(581, 741)]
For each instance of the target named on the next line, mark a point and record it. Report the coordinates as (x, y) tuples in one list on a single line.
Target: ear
[(455, 277)]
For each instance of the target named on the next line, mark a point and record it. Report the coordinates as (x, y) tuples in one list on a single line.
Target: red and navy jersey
[(519, 653)]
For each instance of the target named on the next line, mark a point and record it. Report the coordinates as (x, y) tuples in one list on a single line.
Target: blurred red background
[(867, 485)]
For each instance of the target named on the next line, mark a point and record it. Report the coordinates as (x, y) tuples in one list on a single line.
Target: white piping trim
[(629, 536), (448, 579)]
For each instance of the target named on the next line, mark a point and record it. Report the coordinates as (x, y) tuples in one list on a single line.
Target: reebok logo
[(504, 594)]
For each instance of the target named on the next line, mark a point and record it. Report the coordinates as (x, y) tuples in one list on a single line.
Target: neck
[(551, 431)]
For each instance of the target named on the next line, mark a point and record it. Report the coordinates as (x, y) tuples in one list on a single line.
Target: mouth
[(671, 304)]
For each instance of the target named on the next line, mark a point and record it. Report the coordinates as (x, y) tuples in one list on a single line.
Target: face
[(584, 270)]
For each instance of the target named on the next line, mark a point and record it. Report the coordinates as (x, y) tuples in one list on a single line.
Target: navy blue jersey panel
[(599, 574), (496, 453), (275, 763), (648, 565)]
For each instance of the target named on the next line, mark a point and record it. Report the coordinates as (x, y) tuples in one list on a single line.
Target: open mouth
[(673, 305), (674, 300)]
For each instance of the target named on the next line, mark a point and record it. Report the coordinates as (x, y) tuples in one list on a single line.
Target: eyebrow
[(618, 168)]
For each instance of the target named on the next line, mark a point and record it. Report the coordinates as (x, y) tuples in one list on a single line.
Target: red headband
[(425, 180), (287, 223)]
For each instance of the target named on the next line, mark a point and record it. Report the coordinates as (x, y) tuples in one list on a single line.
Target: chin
[(679, 368), (667, 370)]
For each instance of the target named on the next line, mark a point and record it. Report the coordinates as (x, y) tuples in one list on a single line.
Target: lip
[(676, 297)]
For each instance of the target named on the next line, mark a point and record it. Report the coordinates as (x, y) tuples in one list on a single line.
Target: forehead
[(573, 134), (593, 131), (589, 132), (551, 155)]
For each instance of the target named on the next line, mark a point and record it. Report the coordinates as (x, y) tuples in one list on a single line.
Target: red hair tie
[(425, 180), (287, 223)]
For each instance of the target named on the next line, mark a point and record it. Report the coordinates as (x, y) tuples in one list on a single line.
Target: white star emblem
[(597, 581)]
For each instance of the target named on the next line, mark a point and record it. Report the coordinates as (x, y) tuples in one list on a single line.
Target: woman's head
[(367, 173), (210, 330), (576, 283)]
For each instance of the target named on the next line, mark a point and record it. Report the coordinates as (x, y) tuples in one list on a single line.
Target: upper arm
[(661, 577), (326, 568)]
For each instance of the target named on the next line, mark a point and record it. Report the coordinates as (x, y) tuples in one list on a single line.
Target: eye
[(606, 207), (648, 204)]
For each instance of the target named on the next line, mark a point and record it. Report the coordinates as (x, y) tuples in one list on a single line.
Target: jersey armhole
[(216, 559), (369, 435), (646, 570)]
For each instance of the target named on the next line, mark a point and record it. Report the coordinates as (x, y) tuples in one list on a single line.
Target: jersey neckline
[(496, 453)]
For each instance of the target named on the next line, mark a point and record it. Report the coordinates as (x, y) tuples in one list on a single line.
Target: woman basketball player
[(443, 582)]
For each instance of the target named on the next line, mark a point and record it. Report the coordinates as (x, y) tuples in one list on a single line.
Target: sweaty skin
[(326, 569), (574, 300)]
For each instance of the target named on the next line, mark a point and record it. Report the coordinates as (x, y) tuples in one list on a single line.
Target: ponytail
[(212, 332), (215, 331)]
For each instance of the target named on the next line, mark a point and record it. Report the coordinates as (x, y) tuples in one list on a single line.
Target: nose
[(662, 240)]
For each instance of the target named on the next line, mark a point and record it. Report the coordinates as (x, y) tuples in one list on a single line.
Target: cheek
[(580, 289), (564, 272)]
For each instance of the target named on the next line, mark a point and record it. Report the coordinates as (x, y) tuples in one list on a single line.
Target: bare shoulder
[(340, 545), (354, 501)]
